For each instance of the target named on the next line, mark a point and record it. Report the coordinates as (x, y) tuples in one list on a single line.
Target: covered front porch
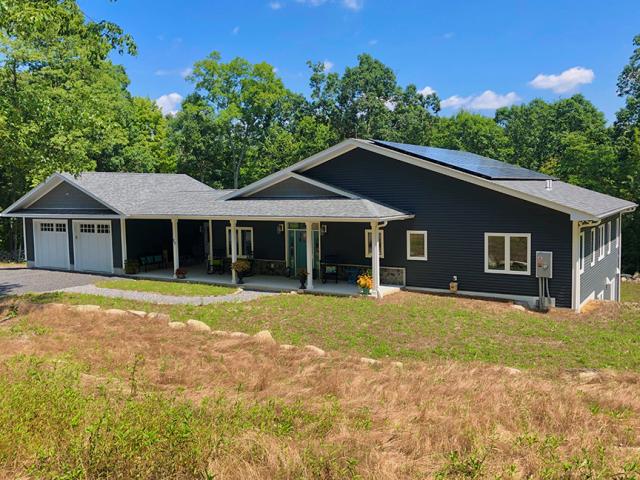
[(329, 255), (271, 283)]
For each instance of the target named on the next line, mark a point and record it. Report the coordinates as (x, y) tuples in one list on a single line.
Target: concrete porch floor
[(272, 283)]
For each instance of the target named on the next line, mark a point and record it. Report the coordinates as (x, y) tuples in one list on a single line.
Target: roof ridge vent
[(549, 186)]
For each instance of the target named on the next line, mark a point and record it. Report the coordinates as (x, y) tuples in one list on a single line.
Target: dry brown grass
[(463, 420)]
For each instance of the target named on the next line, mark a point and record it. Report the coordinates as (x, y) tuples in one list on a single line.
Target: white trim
[(210, 224), (240, 253), (123, 241), (618, 222), (309, 252), (367, 253), (507, 253), (35, 247), (592, 296), (600, 295), (265, 218), (75, 242), (175, 245), (601, 245), (310, 181), (593, 246), (24, 238), (64, 216), (582, 252), (529, 300), (577, 265), (619, 247), (424, 234), (609, 237)]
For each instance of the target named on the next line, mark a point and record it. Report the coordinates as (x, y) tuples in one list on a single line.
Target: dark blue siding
[(29, 232), (268, 244), (67, 196), (116, 243), (456, 215), (293, 188), (594, 278)]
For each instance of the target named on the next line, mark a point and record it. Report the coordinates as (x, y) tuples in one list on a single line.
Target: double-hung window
[(601, 247), (593, 247), (507, 253), (582, 252), (368, 236), (416, 245), (244, 241)]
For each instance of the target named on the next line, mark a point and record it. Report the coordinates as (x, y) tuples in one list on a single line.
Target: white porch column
[(123, 242), (210, 243), (234, 248), (375, 259), (309, 226), (176, 252), (24, 239)]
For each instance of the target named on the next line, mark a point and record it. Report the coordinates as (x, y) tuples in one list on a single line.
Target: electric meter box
[(544, 264)]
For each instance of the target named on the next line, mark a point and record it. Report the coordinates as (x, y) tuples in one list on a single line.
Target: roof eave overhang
[(272, 218)]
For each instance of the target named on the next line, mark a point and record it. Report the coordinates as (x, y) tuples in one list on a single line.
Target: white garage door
[(92, 246), (51, 244)]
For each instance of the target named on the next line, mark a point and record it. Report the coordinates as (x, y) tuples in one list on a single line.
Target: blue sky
[(475, 55)]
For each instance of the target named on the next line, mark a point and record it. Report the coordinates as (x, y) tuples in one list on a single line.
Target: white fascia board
[(310, 181), (319, 157), (467, 177), (269, 218)]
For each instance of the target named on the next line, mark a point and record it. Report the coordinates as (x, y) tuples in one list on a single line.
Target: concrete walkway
[(150, 297)]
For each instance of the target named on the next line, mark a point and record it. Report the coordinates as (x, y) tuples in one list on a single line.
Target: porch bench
[(151, 261)]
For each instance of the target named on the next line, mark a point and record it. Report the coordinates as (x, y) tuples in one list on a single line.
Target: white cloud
[(565, 82), (487, 100), (235, 30), (275, 5), (327, 65), (426, 91), (169, 103), (353, 4), (183, 72)]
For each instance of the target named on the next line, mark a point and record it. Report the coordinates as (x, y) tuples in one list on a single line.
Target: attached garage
[(92, 243), (51, 244)]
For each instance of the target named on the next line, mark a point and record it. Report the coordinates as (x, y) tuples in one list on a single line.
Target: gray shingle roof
[(139, 194), (571, 196)]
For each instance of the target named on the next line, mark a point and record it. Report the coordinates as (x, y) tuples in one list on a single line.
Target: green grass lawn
[(630, 292), (166, 288), (419, 326)]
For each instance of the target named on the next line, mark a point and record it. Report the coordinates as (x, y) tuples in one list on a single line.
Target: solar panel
[(467, 162)]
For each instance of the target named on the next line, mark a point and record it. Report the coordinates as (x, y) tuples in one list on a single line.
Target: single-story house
[(416, 217)]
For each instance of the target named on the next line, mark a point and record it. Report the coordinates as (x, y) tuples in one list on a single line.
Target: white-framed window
[(102, 228), (244, 239), (609, 239), (617, 233), (61, 227), (87, 228), (593, 247), (46, 227), (601, 247), (582, 252), (368, 236), (507, 253), (416, 245)]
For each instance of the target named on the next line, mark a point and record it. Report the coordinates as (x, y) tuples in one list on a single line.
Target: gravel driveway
[(16, 281)]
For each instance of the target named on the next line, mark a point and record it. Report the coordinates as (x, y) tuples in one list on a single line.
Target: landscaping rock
[(198, 325), (515, 306), (219, 332), (58, 305), (315, 350), (115, 311), (238, 334), (177, 325), (588, 376), (512, 371), (138, 313), (369, 361), (285, 346), (86, 308), (264, 337), (397, 364), (159, 316)]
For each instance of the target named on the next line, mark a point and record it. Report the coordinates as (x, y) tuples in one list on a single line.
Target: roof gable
[(66, 196)]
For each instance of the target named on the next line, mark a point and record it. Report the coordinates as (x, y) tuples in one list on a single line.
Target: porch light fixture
[(280, 228), (323, 229)]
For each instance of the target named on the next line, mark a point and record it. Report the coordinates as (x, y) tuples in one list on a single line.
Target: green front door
[(301, 250), (297, 238)]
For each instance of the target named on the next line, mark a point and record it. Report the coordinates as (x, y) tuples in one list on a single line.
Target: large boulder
[(138, 313), (159, 316), (198, 325), (315, 350), (177, 325), (86, 308), (116, 312), (264, 337)]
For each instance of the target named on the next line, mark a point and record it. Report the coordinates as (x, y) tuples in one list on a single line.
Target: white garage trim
[(76, 231), (36, 229)]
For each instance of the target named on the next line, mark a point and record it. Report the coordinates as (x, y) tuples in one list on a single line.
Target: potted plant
[(241, 267), (181, 273), (131, 267), (302, 276), (365, 282)]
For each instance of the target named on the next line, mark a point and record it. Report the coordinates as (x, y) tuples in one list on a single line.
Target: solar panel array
[(467, 162)]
